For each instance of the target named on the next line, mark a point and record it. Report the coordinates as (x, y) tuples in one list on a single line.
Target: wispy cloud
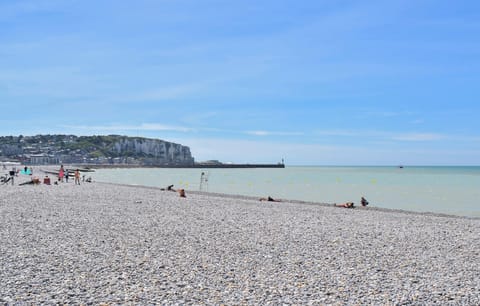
[(388, 113), (418, 121), (52, 82), (273, 133), (173, 128), (121, 128), (15, 8), (385, 135), (162, 93), (345, 133), (418, 137), (76, 83)]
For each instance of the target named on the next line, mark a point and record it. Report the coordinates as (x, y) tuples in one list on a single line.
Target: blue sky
[(313, 82)]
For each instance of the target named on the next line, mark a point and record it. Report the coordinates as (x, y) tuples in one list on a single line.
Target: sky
[(313, 82)]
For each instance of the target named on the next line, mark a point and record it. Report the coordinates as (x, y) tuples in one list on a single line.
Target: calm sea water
[(451, 190)]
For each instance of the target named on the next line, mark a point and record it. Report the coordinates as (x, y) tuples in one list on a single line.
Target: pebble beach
[(98, 243)]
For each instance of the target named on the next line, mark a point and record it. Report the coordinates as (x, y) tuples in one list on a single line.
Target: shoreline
[(301, 202), (49, 168), (414, 190), (116, 244)]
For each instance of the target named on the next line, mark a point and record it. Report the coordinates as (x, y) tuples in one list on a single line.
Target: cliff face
[(110, 149), (153, 151)]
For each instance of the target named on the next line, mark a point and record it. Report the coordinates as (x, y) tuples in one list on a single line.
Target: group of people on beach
[(363, 202), (65, 173), (63, 176)]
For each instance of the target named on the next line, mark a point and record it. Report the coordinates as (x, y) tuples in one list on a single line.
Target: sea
[(453, 190)]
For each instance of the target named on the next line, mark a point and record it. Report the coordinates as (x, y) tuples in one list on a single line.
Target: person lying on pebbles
[(269, 199), (169, 188), (345, 205)]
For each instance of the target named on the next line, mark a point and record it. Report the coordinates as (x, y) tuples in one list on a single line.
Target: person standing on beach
[(77, 177), (12, 175), (66, 176), (61, 173)]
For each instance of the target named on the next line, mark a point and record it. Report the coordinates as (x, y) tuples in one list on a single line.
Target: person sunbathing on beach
[(345, 205), (181, 193), (169, 188), (364, 202), (269, 199), (33, 181)]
